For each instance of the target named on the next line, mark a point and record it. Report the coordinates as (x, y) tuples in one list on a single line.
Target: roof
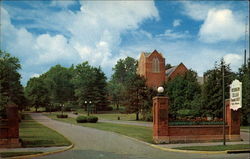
[(171, 70), (147, 54)]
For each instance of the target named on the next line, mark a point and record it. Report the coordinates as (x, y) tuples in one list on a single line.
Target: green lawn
[(13, 154), (112, 116), (245, 128), (138, 132), (34, 134), (216, 147)]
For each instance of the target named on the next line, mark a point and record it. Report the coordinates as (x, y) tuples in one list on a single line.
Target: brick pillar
[(13, 124), (233, 122), (160, 119)]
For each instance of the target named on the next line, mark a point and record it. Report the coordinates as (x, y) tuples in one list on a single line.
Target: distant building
[(171, 73), (152, 67)]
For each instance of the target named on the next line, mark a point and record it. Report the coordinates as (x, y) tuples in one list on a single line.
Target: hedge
[(173, 123), (85, 119), (62, 116)]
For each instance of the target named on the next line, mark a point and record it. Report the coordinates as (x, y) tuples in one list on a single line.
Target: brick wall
[(153, 79), (180, 70), (163, 133)]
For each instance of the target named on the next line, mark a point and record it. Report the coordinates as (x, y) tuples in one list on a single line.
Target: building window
[(156, 65)]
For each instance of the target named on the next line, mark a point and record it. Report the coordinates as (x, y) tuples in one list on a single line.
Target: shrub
[(92, 119), (81, 119), (62, 116), (147, 117)]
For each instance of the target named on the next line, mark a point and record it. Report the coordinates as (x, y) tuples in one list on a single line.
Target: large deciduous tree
[(58, 81), (37, 92), (11, 89), (184, 93)]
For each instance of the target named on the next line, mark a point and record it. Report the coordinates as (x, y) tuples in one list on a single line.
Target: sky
[(198, 33)]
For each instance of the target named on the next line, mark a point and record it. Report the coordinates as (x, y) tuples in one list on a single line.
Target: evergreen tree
[(135, 95), (244, 77), (212, 89)]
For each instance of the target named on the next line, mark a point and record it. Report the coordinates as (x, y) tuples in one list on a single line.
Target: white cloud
[(221, 25), (63, 4), (197, 10), (93, 34), (176, 22), (234, 60), (170, 34), (35, 75)]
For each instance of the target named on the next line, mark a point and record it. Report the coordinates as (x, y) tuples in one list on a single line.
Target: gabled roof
[(147, 54), (171, 70)]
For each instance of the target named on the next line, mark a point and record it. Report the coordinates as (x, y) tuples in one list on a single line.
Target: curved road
[(96, 144)]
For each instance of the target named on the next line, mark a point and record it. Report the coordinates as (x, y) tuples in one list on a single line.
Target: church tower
[(152, 67)]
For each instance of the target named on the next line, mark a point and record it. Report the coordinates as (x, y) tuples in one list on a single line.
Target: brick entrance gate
[(163, 133)]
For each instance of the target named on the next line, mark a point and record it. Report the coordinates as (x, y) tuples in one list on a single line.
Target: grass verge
[(19, 153), (216, 147), (34, 134), (138, 132)]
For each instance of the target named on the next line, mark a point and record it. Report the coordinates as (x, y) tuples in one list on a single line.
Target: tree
[(90, 85), (212, 89), (184, 93), (37, 93), (11, 89), (135, 94), (123, 70), (58, 82), (244, 77), (116, 92)]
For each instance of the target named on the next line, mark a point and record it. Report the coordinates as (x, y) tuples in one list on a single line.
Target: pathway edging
[(42, 154)]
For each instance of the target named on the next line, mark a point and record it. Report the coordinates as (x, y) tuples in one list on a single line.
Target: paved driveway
[(96, 144)]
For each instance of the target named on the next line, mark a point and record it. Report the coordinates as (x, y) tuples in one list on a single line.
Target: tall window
[(155, 65)]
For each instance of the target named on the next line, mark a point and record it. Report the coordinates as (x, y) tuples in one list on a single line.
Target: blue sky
[(198, 33)]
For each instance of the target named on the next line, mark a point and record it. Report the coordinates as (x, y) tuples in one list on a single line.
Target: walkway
[(96, 144)]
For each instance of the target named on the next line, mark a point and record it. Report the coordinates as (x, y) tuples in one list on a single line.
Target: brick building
[(152, 67)]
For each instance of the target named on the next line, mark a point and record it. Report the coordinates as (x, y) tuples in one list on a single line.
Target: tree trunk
[(36, 109), (117, 106), (137, 116)]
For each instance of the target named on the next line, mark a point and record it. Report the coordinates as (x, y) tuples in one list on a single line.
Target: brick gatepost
[(233, 122), (160, 119), (13, 123)]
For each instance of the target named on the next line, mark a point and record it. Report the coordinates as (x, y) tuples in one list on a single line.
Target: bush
[(62, 116), (81, 119), (147, 117), (85, 119), (92, 119)]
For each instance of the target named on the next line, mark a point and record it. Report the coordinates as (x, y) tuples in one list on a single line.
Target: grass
[(216, 147), (34, 134), (113, 116), (19, 153), (245, 128), (138, 132)]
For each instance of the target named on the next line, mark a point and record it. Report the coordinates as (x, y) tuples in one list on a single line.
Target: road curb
[(238, 151), (42, 154)]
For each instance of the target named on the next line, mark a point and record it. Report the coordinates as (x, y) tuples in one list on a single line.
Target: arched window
[(155, 65)]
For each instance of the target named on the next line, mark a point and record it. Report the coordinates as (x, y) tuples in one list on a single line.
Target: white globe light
[(160, 89)]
